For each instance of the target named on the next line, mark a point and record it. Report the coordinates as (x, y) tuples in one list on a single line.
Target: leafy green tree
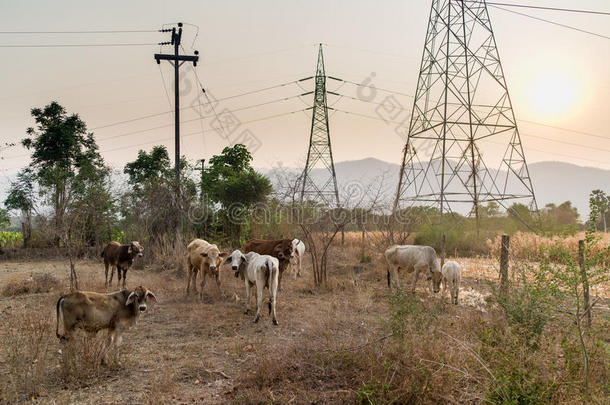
[(65, 159), (150, 207), (598, 206), (231, 182), (21, 197), (5, 219)]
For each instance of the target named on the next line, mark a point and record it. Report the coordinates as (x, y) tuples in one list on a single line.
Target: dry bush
[(26, 357), (530, 246), (81, 357), (35, 284)]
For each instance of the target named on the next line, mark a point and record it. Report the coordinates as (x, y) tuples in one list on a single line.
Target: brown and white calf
[(281, 249), (92, 312), (121, 257), (260, 271), (205, 257)]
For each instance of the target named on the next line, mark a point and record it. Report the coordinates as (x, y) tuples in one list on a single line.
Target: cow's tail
[(60, 303), (388, 276), (103, 250)]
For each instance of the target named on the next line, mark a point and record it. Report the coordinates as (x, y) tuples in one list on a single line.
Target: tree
[(598, 206), (21, 197), (5, 220), (231, 182), (65, 159), (149, 167)]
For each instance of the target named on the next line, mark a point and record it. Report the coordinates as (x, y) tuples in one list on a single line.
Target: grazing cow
[(205, 257), (121, 257), (413, 257), (260, 270), (299, 251), (452, 276), (282, 249), (93, 312)]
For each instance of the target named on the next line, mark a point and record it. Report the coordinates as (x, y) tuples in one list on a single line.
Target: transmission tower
[(323, 189), (461, 104)]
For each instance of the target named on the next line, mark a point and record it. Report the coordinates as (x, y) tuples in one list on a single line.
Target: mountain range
[(553, 182)]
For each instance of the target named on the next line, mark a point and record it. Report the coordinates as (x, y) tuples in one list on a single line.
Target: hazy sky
[(556, 76)]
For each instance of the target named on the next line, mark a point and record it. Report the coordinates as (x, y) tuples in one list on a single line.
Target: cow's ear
[(204, 254), (223, 254), (129, 250), (229, 259), (150, 295), (131, 298)]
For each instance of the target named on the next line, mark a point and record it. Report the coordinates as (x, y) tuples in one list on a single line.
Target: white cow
[(452, 276), (299, 251), (260, 270), (413, 257)]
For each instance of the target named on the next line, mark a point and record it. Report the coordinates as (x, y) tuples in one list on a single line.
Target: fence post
[(585, 280), (443, 244), (504, 266)]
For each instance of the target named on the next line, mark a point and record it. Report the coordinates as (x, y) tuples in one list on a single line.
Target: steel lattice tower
[(462, 103), (320, 153)]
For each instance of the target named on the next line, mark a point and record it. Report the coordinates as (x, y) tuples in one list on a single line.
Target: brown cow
[(206, 257), (121, 257), (282, 249), (93, 312)]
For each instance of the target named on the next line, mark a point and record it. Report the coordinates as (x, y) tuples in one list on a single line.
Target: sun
[(553, 93)]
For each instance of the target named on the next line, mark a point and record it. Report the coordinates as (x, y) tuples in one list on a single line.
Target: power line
[(210, 102), (73, 45), (576, 131), (571, 10), (372, 87), (78, 32), (553, 22)]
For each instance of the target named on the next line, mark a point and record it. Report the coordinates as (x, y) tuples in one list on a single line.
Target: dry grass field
[(332, 346)]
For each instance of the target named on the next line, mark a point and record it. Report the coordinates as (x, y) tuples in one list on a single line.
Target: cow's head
[(213, 258), (135, 249), (238, 261), (140, 297), (284, 250), (436, 277)]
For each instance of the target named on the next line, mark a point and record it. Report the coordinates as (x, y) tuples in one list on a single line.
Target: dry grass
[(332, 346)]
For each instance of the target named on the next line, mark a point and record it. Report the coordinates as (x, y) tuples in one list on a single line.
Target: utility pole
[(177, 60)]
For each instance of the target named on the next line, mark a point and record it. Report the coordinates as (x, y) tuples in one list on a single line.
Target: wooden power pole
[(177, 60)]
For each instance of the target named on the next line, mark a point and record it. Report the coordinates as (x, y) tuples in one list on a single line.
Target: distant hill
[(554, 182)]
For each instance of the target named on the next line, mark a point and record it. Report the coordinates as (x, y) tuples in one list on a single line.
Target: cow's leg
[(188, 282), (217, 277), (248, 296), (203, 277), (107, 345), (259, 299), (106, 264), (415, 277), (393, 276), (279, 283), (456, 286), (118, 272), (111, 274), (300, 267), (444, 292), (124, 277)]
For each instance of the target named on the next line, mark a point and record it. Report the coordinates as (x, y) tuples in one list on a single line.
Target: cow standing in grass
[(452, 277), (421, 259), (260, 271), (281, 249), (205, 257), (93, 312), (121, 257)]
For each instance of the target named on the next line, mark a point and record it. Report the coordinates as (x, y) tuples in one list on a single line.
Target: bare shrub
[(35, 284)]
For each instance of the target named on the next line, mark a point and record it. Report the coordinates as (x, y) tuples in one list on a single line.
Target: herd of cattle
[(260, 265)]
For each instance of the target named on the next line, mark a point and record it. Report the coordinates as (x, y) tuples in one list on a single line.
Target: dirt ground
[(184, 350)]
